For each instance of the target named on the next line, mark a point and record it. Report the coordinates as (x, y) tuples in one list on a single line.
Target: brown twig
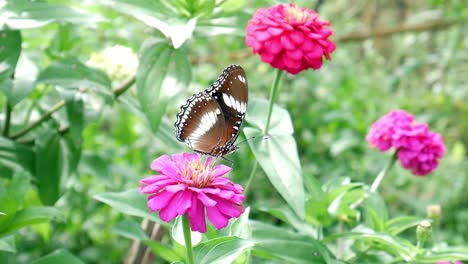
[(432, 25), (117, 92)]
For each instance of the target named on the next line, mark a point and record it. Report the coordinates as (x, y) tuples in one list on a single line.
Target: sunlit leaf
[(22, 14), (10, 49), (7, 244), (34, 215), (129, 202), (220, 250), (282, 244), (58, 257), (277, 154)]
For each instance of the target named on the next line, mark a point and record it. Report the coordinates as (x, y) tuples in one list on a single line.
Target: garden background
[(89, 95)]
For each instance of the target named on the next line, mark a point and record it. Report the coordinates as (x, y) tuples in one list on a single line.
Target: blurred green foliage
[(98, 142)]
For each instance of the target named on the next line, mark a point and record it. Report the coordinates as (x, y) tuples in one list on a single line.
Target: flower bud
[(423, 231), (433, 211)]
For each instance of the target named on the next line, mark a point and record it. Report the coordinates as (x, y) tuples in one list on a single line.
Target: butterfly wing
[(200, 123), (210, 121), (231, 93)]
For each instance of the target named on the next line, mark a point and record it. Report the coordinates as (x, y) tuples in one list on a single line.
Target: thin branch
[(43, 118), (8, 110), (431, 25), (117, 92)]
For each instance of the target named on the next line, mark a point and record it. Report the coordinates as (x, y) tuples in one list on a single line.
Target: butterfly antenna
[(232, 162)]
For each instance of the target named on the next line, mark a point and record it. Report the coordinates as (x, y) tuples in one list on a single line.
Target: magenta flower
[(186, 184), (418, 149), (450, 262), (383, 132), (290, 38)]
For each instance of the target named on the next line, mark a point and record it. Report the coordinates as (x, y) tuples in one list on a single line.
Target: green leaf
[(161, 73), (24, 14), (7, 244), (11, 198), (448, 254), (376, 202), (15, 156), (10, 49), (48, 165), (133, 231), (161, 16), (34, 215), (75, 113), (285, 214), (23, 83), (71, 74), (400, 224), (130, 229), (129, 202), (177, 233), (277, 154), (240, 227), (58, 257), (232, 5), (290, 247), (388, 243), (221, 250)]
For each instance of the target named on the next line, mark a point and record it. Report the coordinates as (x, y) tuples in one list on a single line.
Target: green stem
[(187, 238), (251, 176), (384, 172), (6, 128), (273, 93)]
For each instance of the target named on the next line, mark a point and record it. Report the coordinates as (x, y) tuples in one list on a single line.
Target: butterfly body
[(210, 121)]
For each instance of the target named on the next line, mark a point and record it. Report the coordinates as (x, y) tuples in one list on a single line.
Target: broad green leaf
[(161, 73), (130, 202), (71, 74), (400, 224), (220, 250), (22, 14), (15, 156), (7, 244), (34, 215), (277, 154), (76, 115), (178, 233), (290, 247), (375, 201), (448, 254), (160, 15), (232, 5), (285, 214), (11, 198), (240, 227), (23, 83), (388, 243), (131, 230), (163, 251), (59, 256), (48, 165), (10, 49)]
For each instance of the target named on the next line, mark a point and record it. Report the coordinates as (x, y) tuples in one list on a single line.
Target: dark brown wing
[(200, 124), (231, 93)]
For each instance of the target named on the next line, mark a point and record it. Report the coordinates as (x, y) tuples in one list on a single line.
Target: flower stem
[(251, 176), (384, 172), (187, 238), (273, 93)]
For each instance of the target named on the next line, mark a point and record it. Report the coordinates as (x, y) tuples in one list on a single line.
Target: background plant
[(74, 136)]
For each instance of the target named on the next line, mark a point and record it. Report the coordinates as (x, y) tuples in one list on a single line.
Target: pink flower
[(384, 131), (418, 149), (450, 262), (290, 38), (186, 184)]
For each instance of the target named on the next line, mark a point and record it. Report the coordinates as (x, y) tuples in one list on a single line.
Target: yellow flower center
[(296, 14), (198, 173)]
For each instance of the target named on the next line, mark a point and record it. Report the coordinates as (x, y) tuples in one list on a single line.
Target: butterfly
[(209, 122)]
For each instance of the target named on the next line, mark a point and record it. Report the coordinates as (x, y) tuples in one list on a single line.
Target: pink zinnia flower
[(186, 184), (290, 38), (418, 149), (384, 131)]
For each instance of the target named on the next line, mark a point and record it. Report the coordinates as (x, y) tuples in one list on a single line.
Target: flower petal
[(159, 200), (196, 215), (218, 219), (220, 170)]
